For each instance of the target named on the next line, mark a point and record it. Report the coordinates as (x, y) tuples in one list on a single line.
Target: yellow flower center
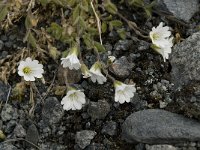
[(155, 36), (27, 70), (73, 96)]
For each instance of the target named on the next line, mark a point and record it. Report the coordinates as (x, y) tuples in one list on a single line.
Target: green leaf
[(110, 7), (104, 27), (148, 12), (137, 3), (56, 30), (84, 5), (71, 2), (122, 33), (93, 31), (148, 8), (3, 12), (75, 14), (44, 2), (53, 52), (82, 23), (99, 47), (115, 24), (31, 40), (88, 41)]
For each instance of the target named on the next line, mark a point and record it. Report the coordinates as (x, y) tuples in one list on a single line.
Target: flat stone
[(154, 126), (185, 74), (32, 135), (121, 67), (181, 9), (84, 137), (52, 111), (160, 147), (185, 61), (98, 110), (19, 131)]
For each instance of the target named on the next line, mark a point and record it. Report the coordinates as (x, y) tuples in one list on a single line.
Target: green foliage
[(110, 7), (141, 4), (80, 22), (3, 11)]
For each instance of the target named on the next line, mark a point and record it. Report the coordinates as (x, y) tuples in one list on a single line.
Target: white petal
[(29, 78), (77, 104)]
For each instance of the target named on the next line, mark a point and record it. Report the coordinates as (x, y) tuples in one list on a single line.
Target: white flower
[(123, 92), (111, 58), (96, 74), (30, 69), (71, 61), (160, 35), (166, 50), (73, 100), (85, 71)]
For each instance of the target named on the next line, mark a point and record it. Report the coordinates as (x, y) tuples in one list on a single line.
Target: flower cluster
[(75, 99), (162, 40)]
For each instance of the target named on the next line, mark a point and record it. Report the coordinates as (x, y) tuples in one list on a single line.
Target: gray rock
[(52, 111), (6, 146), (138, 103), (19, 131), (72, 76), (140, 146), (185, 61), (98, 110), (52, 146), (96, 146), (143, 45), (110, 128), (123, 45), (185, 74), (84, 137), (32, 135), (160, 147), (182, 9), (1, 45), (156, 126), (10, 126), (3, 91), (8, 113), (121, 67)]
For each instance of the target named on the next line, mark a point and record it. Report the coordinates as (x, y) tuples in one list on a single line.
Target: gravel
[(110, 128), (52, 111), (98, 110), (84, 137), (3, 91), (5, 146), (8, 113), (160, 147)]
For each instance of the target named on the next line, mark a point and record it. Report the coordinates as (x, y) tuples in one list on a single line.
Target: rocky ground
[(164, 114)]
